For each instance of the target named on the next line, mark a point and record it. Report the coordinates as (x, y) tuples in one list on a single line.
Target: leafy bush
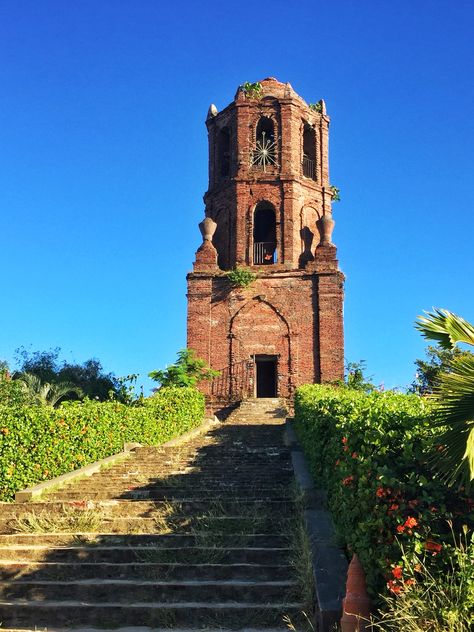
[(371, 452), (422, 601), (188, 370), (39, 443), (241, 277)]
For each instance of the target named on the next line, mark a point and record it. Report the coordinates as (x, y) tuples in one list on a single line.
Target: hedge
[(38, 442), (371, 452)]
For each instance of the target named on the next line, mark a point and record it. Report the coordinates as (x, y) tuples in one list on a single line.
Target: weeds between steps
[(70, 520)]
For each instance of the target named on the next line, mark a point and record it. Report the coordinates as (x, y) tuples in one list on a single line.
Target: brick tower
[(268, 210)]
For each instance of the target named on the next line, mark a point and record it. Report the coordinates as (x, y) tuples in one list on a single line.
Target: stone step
[(12, 569), (171, 484), (189, 554), (167, 540), (133, 628), (154, 493), (133, 591), (150, 508), (133, 525), (71, 614)]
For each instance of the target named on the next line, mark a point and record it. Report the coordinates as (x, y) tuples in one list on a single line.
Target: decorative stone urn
[(207, 227), (327, 225)]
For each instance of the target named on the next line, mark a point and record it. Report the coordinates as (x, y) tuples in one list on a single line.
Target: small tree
[(429, 370), (355, 379), (188, 370)]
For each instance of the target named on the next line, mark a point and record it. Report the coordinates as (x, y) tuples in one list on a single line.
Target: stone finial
[(207, 227), (323, 106), (327, 224), (212, 111)]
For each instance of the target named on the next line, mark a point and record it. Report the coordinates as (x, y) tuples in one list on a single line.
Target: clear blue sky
[(103, 163)]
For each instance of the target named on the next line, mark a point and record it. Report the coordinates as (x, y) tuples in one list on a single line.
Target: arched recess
[(309, 152), (264, 234), (264, 154), (309, 234), (223, 152), (259, 330)]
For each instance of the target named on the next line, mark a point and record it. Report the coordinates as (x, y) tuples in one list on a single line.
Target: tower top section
[(269, 88), (269, 193)]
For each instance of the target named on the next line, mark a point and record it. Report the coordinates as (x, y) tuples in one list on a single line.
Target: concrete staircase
[(196, 536)]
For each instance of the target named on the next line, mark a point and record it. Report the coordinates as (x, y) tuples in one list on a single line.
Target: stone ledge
[(31, 493), (329, 561)]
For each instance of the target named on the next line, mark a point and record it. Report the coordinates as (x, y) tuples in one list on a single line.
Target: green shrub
[(241, 277), (371, 452), (39, 443)]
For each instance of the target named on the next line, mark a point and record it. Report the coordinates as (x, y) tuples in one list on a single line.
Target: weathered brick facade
[(269, 200)]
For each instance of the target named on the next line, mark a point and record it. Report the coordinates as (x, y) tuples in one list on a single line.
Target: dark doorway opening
[(266, 376)]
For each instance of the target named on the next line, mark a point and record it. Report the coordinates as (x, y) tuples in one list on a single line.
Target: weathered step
[(11, 570), (22, 613), (156, 493), (167, 540), (132, 628), (133, 591), (188, 480), (191, 554), (177, 524), (150, 508)]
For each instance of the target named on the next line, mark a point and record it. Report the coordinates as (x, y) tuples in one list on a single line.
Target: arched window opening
[(223, 152), (309, 152), (264, 153), (264, 235)]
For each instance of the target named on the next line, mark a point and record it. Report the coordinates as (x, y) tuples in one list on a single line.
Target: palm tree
[(454, 395), (46, 393)]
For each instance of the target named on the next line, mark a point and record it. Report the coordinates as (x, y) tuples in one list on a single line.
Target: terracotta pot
[(356, 604)]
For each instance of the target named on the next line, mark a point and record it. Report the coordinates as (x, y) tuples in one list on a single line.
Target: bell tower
[(268, 211)]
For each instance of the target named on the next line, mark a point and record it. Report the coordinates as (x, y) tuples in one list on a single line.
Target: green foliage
[(429, 370), (355, 378), (316, 107), (454, 396), (45, 394), (13, 392), (252, 90), (241, 277), (39, 442), (186, 371), (89, 376), (371, 452), (335, 192)]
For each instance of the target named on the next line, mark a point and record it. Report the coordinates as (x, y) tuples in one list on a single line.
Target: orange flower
[(433, 546), (393, 587), (397, 572), (355, 455), (380, 493), (347, 481), (344, 440), (401, 528), (409, 582), (411, 522)]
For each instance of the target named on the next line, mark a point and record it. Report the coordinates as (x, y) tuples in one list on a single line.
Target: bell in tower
[(268, 208)]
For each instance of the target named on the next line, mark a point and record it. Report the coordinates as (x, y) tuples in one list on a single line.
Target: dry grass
[(69, 520)]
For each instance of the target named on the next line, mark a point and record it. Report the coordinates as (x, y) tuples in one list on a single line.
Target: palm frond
[(455, 413), (445, 327)]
